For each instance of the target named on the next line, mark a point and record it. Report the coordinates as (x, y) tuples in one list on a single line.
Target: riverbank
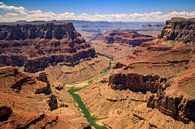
[(72, 91)]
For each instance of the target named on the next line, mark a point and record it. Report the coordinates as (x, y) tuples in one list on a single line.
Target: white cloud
[(11, 14), (21, 10), (20, 13)]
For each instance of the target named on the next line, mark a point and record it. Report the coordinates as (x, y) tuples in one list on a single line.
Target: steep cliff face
[(179, 29), (36, 45), (127, 37), (136, 82), (178, 107), (178, 100), (34, 30)]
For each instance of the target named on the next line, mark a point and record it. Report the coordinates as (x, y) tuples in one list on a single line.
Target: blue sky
[(96, 10), (105, 6)]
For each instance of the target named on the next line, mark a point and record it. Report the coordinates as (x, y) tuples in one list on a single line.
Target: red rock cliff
[(35, 45), (179, 29)]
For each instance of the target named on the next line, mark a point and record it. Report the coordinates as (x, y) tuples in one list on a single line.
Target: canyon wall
[(127, 37), (136, 82), (167, 71), (35, 45), (179, 29)]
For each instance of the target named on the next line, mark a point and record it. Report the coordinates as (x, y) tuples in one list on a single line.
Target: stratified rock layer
[(37, 45), (178, 100), (127, 37), (32, 30), (171, 59), (179, 29), (136, 82)]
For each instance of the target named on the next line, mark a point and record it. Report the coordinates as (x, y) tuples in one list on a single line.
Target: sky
[(96, 10)]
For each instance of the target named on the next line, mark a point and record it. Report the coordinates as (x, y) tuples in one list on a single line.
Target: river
[(72, 91)]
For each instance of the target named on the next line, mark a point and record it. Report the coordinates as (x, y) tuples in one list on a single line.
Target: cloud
[(21, 10), (11, 14), (20, 13)]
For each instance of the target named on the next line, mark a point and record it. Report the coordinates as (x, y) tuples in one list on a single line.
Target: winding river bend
[(72, 91)]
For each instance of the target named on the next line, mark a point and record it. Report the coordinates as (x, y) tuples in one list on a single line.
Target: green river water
[(72, 91)]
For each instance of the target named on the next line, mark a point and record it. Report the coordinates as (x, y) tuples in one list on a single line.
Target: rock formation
[(129, 37), (36, 45), (33, 30), (136, 82), (178, 107), (53, 103), (179, 29), (166, 69), (12, 79), (26, 102), (5, 113)]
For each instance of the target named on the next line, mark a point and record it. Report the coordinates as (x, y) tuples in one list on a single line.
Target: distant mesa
[(127, 37), (35, 45)]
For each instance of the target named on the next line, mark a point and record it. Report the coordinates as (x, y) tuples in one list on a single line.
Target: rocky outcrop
[(17, 81), (178, 107), (179, 29), (8, 71), (36, 45), (24, 120), (127, 37), (136, 82), (21, 81), (5, 113), (53, 103), (46, 89), (178, 100), (43, 77), (30, 106), (118, 65)]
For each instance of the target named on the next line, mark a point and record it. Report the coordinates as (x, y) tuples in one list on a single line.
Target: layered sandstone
[(127, 37), (167, 58), (136, 82), (179, 29), (178, 100), (33, 30), (36, 45)]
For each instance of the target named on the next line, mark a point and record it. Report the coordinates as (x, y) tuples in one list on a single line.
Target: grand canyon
[(64, 74)]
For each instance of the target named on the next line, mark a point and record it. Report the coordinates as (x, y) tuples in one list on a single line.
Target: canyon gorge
[(53, 78)]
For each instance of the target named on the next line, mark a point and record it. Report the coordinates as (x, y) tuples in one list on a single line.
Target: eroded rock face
[(131, 38), (38, 45), (136, 82), (16, 81), (34, 30), (178, 107), (178, 100), (179, 29), (23, 106)]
